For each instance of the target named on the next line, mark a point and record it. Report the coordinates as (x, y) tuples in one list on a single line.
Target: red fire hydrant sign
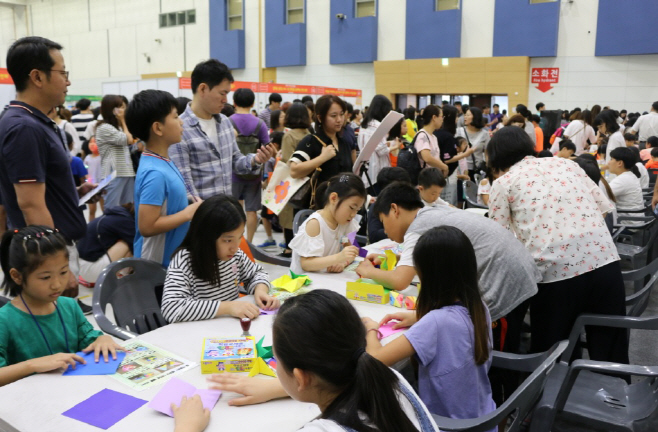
[(545, 77)]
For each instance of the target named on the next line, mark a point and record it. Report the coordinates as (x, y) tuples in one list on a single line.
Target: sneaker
[(267, 243), (85, 309), (283, 245)]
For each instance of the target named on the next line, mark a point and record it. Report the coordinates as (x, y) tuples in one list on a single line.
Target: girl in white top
[(607, 124), (579, 132), (484, 189), (379, 108), (353, 390), (318, 243), (426, 144), (626, 185)]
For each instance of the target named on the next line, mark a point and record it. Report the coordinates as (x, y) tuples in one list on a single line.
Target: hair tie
[(357, 354)]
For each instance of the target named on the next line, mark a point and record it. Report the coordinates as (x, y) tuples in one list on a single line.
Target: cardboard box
[(228, 355), (367, 290)]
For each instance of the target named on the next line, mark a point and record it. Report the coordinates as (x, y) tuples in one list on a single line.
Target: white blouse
[(616, 140), (628, 192), (380, 158), (579, 132), (327, 243), (557, 212)]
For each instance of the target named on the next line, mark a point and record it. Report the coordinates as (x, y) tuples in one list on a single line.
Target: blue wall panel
[(524, 29), (285, 44), (626, 28), (225, 46), (431, 33), (352, 40)]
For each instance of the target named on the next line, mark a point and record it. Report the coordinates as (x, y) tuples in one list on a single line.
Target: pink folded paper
[(387, 329), (174, 390)]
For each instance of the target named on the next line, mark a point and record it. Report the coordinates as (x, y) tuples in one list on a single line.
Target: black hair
[(431, 176), (445, 261), (349, 109), (275, 97), (345, 185), (591, 167), (653, 105), (364, 384), (244, 98), (215, 216), (449, 119), (146, 108), (636, 153), (69, 140), (609, 118), (297, 117), (228, 110), (623, 112), (626, 156), (586, 116), (457, 103), (25, 250), (629, 137), (654, 152), (402, 194), (181, 104), (496, 105), (108, 104), (535, 118), (380, 106), (544, 154), (389, 175), (323, 105), (478, 121), (83, 104), (589, 157), (210, 72), (396, 130), (277, 138), (307, 99), (539, 105), (430, 112), (523, 110), (652, 141), (508, 146), (275, 118), (566, 144), (27, 54), (355, 114), (410, 113)]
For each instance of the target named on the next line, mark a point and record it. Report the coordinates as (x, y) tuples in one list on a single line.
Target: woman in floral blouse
[(557, 212)]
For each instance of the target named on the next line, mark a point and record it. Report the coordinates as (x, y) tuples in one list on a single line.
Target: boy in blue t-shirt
[(162, 213)]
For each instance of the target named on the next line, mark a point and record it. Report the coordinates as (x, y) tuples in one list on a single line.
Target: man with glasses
[(36, 183)]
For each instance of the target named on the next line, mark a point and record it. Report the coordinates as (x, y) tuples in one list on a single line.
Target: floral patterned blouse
[(557, 212)]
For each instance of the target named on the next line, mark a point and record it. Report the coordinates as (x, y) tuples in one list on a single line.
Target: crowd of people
[(188, 182)]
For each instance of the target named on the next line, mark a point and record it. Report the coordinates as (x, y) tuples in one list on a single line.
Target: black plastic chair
[(135, 296), (471, 195), (639, 255), (264, 256), (644, 280), (579, 397), (299, 219), (521, 402)]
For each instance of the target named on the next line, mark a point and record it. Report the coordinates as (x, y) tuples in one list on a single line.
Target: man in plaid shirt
[(208, 153)]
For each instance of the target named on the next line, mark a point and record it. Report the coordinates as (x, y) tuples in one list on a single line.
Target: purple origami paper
[(174, 390), (105, 408), (268, 312)]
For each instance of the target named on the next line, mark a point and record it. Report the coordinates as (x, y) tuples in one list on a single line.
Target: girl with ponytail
[(626, 185), (450, 332), (39, 330), (354, 391), (321, 243)]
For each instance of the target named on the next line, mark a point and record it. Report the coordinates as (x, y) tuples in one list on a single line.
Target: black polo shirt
[(32, 151), (310, 148)]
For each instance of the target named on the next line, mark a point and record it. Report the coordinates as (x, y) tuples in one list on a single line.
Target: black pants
[(555, 307)]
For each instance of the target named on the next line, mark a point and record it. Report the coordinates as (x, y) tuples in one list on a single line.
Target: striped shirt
[(207, 167), (266, 116), (81, 121), (114, 150), (188, 298)]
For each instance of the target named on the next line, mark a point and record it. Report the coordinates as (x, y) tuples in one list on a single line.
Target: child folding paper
[(352, 239), (292, 282), (173, 392)]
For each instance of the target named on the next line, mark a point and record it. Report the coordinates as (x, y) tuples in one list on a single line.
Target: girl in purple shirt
[(450, 330)]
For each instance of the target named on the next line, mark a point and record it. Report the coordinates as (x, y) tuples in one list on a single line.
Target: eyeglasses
[(63, 72)]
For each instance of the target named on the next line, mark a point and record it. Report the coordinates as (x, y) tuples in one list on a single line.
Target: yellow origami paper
[(390, 261), (261, 368), (289, 284)]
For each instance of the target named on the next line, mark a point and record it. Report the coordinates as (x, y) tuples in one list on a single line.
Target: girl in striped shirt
[(206, 271)]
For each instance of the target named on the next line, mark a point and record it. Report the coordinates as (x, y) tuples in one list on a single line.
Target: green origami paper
[(295, 276), (263, 352)]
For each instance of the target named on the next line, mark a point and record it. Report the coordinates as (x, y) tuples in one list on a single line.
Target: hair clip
[(344, 178)]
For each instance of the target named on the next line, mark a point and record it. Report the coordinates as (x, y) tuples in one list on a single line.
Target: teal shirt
[(21, 340)]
